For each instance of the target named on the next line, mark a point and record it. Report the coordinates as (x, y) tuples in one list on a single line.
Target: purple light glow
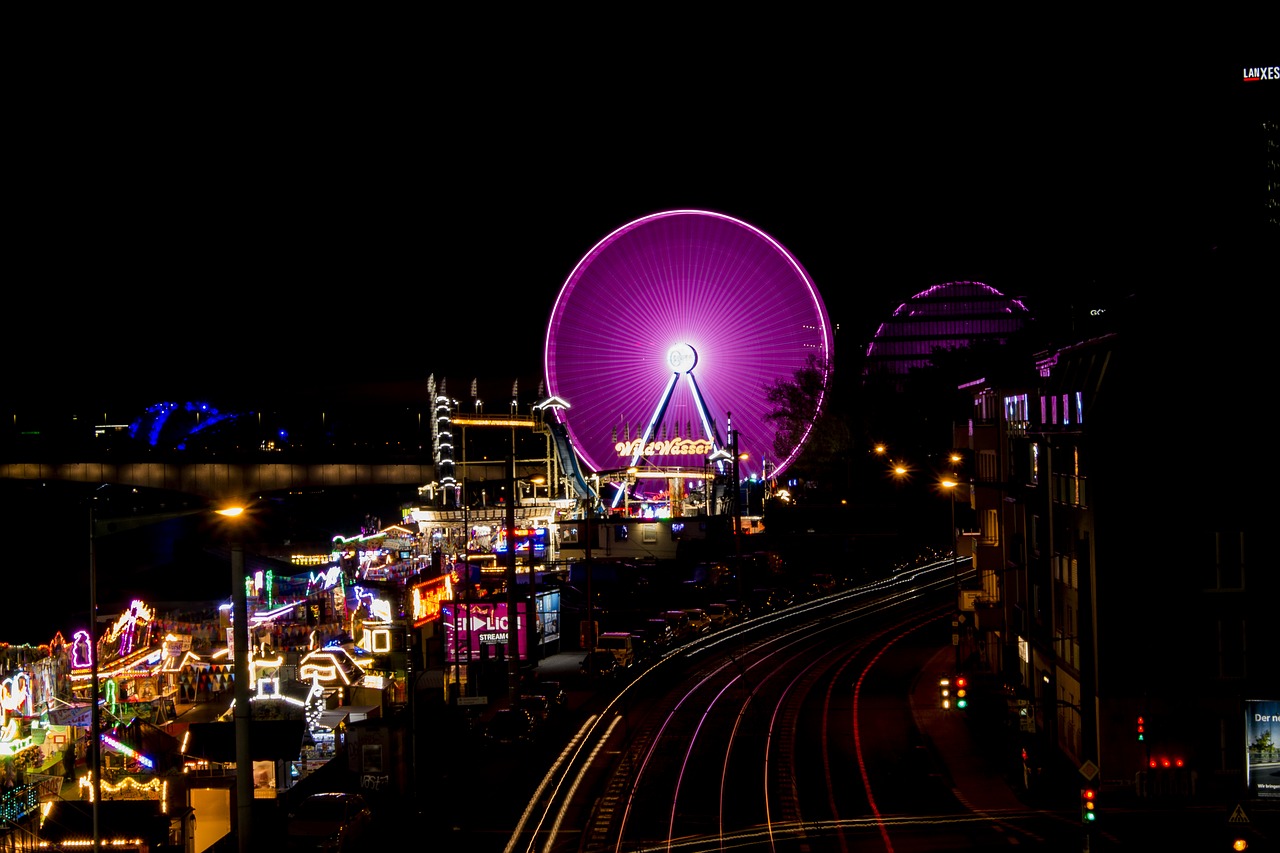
[(955, 314), (682, 290)]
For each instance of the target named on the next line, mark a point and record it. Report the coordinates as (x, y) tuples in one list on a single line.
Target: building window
[(988, 467), (1231, 633), (1033, 473), (991, 527)]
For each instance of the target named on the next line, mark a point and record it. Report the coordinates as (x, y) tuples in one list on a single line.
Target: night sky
[(328, 234), (338, 240)]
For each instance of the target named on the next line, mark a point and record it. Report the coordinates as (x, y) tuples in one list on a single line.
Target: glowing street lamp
[(240, 650), (950, 485)]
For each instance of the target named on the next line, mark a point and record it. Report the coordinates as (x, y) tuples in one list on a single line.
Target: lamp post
[(590, 639), (950, 485), (95, 725), (513, 595), (99, 527), (240, 651)]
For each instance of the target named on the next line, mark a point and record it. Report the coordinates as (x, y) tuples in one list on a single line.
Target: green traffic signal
[(1088, 805)]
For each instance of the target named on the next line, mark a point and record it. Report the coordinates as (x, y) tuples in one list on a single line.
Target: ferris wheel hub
[(681, 358)]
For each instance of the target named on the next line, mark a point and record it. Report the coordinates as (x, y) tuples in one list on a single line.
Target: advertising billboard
[(1262, 748), (549, 615), (476, 630)]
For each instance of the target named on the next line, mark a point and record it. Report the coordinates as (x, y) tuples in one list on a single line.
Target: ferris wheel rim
[(727, 251)]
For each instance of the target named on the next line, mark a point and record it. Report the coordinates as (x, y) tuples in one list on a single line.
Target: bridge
[(225, 480), (226, 465)]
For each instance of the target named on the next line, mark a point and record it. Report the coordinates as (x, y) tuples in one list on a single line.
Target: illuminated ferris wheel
[(666, 336)]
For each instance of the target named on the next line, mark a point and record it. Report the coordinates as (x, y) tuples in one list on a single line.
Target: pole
[(513, 621), (591, 616), (95, 725), (240, 646), (737, 493), (955, 570), (410, 683)]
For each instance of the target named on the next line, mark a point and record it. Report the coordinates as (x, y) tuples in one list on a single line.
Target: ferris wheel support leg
[(649, 430)]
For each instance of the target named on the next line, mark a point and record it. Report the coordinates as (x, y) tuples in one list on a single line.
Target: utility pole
[(95, 726), (737, 492), (241, 717), (513, 621), (590, 639)]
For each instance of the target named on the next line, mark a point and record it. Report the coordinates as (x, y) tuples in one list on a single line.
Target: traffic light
[(962, 692), (1088, 805), (944, 692), (1142, 729)]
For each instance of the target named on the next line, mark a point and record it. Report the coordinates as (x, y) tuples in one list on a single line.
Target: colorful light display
[(671, 324)]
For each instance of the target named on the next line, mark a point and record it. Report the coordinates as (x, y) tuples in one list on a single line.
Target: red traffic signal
[(1088, 805), (962, 692)]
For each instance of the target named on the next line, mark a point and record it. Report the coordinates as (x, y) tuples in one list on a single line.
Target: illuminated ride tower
[(667, 326)]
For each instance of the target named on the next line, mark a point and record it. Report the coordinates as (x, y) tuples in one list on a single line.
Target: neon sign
[(669, 447), (128, 788), (81, 650), (129, 751), (1253, 75), (329, 666), (131, 629), (327, 579)]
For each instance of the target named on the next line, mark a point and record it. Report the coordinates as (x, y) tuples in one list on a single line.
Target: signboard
[(177, 645), (1262, 747), (477, 630), (425, 598), (549, 615)]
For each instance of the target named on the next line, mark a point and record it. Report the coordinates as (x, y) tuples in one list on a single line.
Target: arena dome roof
[(950, 315)]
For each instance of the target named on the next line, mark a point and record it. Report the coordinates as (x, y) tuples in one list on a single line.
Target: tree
[(802, 411)]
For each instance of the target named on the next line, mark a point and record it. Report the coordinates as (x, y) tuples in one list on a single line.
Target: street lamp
[(950, 485), (99, 527), (240, 652)]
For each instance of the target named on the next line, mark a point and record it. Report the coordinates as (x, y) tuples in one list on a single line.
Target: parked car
[(740, 609), (780, 597), (720, 614), (536, 704), (329, 821), (600, 664), (621, 643), (681, 628), (658, 634), (511, 726), (821, 583), (553, 690), (699, 621)]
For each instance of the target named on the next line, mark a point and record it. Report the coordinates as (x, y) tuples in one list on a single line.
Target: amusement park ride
[(660, 350)]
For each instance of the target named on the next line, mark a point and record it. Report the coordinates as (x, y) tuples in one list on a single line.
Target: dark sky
[(331, 229), (186, 239)]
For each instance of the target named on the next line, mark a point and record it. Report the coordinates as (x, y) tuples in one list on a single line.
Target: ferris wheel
[(666, 336)]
